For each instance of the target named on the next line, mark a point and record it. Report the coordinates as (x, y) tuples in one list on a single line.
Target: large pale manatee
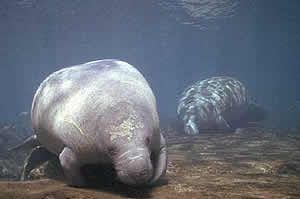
[(101, 112), (217, 103)]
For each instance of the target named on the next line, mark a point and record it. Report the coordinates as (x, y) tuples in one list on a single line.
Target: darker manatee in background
[(216, 103), (101, 112)]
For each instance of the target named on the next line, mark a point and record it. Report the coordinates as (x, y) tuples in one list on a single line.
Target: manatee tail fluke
[(253, 116), (28, 144), (255, 113)]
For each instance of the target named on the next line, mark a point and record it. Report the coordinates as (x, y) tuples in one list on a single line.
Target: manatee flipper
[(37, 156), (71, 167), (29, 143), (222, 123), (160, 165)]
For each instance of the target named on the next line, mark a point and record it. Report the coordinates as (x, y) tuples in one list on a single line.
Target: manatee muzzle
[(134, 167)]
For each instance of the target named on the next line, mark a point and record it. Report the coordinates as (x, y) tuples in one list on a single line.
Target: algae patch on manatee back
[(126, 128)]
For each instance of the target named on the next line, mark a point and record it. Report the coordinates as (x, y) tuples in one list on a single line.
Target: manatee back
[(208, 99)]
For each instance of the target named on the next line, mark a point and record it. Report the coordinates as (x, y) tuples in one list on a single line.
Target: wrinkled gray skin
[(101, 112), (212, 103)]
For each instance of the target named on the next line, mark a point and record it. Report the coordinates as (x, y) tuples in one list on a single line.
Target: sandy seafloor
[(250, 163)]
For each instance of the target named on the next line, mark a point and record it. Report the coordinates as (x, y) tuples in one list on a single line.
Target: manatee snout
[(190, 127), (134, 167)]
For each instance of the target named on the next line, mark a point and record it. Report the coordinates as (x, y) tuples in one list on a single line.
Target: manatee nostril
[(134, 168)]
